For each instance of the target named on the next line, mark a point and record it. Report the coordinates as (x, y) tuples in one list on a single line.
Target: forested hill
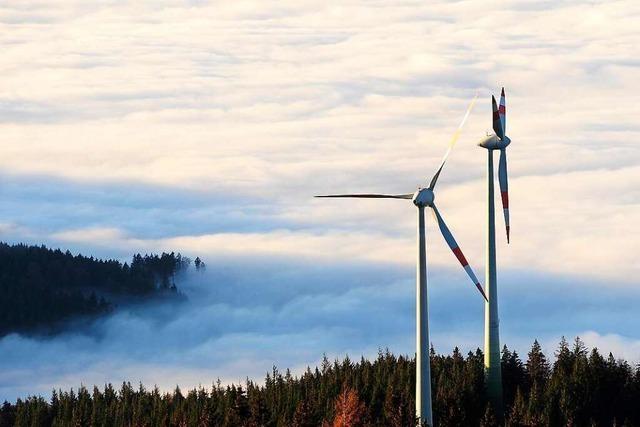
[(578, 388), (41, 287)]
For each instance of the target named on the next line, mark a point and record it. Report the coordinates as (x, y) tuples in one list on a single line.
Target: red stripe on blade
[(502, 109), (505, 199), (458, 253)]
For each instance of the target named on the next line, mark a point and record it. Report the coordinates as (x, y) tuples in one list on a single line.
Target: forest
[(42, 287), (577, 387)]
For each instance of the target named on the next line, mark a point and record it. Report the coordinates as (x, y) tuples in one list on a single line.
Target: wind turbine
[(422, 198), (497, 141)]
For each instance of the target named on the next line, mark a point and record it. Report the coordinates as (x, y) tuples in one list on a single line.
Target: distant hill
[(578, 388), (41, 287)]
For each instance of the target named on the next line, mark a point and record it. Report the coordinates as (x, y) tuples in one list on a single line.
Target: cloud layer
[(242, 317)]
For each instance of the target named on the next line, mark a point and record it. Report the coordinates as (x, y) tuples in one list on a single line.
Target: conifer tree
[(537, 367), (489, 418), (518, 413), (303, 415)]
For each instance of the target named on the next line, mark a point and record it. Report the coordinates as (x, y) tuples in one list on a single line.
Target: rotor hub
[(493, 142), (423, 197)]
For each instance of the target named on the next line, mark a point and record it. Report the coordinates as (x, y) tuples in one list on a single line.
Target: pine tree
[(536, 405), (513, 375), (303, 415), (518, 413), (564, 358), (537, 367), (489, 418)]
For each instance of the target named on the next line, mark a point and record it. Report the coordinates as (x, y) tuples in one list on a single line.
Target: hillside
[(42, 287), (578, 388)]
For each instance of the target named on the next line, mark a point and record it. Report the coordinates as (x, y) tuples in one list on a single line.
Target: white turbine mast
[(424, 198), (496, 141)]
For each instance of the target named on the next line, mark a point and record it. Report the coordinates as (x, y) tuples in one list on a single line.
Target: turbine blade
[(452, 142), (408, 196), (503, 112), (497, 121), (504, 187), (448, 237)]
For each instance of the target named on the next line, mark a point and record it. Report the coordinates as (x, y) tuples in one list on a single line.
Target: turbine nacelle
[(499, 141), (493, 142), (423, 197)]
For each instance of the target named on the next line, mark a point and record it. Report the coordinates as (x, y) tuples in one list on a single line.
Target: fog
[(242, 316)]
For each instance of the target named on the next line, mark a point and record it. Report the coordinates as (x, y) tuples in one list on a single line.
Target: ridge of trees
[(578, 388), (41, 287)]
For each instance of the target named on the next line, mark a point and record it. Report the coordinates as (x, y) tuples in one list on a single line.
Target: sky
[(206, 128)]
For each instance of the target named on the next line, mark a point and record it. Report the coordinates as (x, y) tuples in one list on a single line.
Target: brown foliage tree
[(350, 411)]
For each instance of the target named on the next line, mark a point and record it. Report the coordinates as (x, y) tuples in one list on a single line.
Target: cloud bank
[(242, 317)]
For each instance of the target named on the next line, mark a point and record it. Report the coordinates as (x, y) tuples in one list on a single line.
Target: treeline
[(579, 388), (40, 287)]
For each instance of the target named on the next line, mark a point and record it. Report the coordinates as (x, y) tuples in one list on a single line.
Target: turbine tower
[(423, 198), (497, 141)]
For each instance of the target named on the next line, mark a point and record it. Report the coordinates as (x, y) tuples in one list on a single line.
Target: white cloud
[(284, 102), (622, 347), (95, 235)]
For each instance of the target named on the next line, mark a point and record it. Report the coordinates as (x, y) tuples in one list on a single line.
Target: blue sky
[(206, 128)]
